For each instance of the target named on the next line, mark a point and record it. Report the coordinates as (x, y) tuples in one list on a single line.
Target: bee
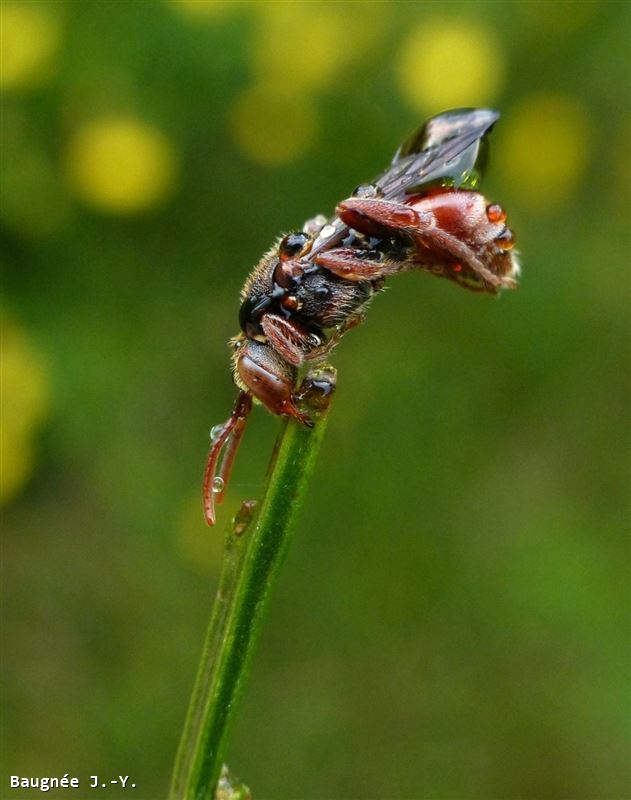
[(424, 212)]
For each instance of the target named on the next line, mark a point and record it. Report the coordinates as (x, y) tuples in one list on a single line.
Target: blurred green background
[(452, 621)]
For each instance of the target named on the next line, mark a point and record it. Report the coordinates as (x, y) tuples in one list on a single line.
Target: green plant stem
[(251, 565)]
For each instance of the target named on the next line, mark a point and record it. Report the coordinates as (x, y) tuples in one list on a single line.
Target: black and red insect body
[(424, 212)]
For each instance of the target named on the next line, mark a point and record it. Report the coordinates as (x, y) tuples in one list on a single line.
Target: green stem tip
[(255, 546)]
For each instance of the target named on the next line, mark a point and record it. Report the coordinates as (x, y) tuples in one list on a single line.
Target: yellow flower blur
[(25, 400), (544, 148), (272, 126), (203, 8), (446, 65), (29, 38), (121, 165), (308, 44)]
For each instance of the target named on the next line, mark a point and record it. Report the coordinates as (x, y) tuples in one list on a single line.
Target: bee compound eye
[(294, 244)]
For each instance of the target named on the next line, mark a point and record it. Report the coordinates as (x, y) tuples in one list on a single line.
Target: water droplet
[(293, 245), (505, 240), (368, 190), (495, 213), (215, 432), (314, 226), (218, 484)]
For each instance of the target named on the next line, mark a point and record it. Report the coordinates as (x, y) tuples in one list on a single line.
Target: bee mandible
[(424, 212)]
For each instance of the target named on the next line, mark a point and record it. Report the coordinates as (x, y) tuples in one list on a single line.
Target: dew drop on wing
[(218, 484), (368, 191), (327, 231)]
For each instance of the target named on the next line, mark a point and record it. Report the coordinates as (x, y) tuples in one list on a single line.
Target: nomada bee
[(424, 212)]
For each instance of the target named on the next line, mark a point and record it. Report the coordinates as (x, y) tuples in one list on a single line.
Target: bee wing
[(449, 148)]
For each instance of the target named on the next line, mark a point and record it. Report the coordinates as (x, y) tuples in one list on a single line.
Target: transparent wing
[(450, 149)]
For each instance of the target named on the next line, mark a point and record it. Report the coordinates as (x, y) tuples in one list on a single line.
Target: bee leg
[(262, 370), (288, 338), (298, 346), (318, 353), (459, 252), (229, 437), (386, 218), (324, 349), (345, 263), (375, 217)]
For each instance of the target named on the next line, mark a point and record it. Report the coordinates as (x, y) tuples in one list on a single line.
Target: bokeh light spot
[(446, 65), (199, 9), (308, 45), (121, 165), (544, 148), (25, 402), (29, 38), (273, 126)]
